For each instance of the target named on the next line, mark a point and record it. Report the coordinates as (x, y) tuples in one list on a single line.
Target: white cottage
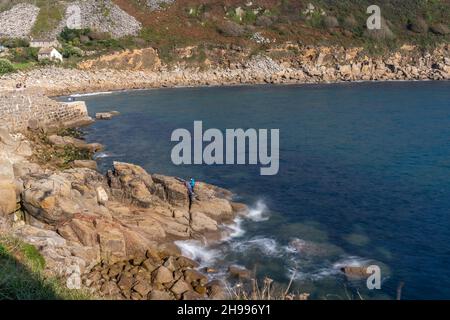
[(50, 54)]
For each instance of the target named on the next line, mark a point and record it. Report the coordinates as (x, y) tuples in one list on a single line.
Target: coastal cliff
[(287, 64), (112, 234)]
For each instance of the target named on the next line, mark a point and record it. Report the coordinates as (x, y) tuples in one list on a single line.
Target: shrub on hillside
[(71, 51), (68, 35), (22, 55), (6, 66), (15, 42)]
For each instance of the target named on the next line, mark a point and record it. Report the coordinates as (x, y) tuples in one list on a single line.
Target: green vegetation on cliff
[(50, 15), (22, 275), (312, 22)]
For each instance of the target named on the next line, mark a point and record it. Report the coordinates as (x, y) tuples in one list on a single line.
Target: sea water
[(364, 178)]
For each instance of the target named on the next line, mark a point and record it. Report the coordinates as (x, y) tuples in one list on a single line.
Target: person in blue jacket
[(192, 183)]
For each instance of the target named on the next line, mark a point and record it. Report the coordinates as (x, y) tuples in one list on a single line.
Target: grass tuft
[(22, 275)]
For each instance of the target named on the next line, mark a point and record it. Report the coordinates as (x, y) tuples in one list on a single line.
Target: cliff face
[(289, 63), (139, 59)]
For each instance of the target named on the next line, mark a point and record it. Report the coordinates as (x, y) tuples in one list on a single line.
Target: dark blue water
[(364, 177)]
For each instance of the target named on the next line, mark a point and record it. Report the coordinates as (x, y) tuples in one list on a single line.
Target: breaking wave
[(102, 155), (235, 229), (258, 212), (196, 250), (267, 246), (77, 95)]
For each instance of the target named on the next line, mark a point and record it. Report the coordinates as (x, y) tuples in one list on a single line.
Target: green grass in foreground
[(24, 65), (22, 278)]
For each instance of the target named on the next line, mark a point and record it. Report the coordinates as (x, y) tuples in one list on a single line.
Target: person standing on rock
[(192, 184)]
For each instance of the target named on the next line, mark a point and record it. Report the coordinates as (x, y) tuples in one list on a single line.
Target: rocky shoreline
[(295, 65), (112, 233)]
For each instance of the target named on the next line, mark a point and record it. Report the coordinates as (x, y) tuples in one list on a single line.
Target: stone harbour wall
[(20, 110)]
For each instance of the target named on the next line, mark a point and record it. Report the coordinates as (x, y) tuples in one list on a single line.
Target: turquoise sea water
[(364, 178)]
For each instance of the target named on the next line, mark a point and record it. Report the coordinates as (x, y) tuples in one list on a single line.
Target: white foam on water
[(267, 246), (198, 251), (304, 272), (351, 261), (102, 155), (76, 95), (331, 271), (236, 229), (319, 274), (258, 212), (295, 246)]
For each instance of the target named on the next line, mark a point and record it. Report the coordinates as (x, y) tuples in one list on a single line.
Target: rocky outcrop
[(153, 276), (18, 21), (13, 154), (138, 59), (117, 228), (77, 143)]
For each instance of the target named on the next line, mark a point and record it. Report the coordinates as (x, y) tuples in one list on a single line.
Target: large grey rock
[(55, 198), (69, 141), (201, 222), (132, 183), (174, 191)]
